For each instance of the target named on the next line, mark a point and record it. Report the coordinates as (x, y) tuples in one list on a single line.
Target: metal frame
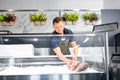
[(106, 43), (16, 10)]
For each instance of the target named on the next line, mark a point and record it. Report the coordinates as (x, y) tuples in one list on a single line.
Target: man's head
[(58, 25)]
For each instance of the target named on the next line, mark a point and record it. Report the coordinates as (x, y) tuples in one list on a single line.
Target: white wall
[(59, 4), (111, 4), (51, 4)]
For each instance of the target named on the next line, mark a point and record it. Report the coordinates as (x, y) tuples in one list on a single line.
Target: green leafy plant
[(43, 17), (93, 17), (34, 17), (66, 17), (90, 16), (1, 18), (74, 17), (38, 17), (70, 17), (8, 17), (86, 16)]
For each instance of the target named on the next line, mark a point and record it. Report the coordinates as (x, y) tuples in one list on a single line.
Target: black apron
[(64, 47)]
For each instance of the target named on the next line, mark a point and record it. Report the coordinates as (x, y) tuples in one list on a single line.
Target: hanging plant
[(70, 17), (38, 19), (66, 18), (93, 18), (90, 18), (43, 18), (8, 19), (74, 17), (86, 18)]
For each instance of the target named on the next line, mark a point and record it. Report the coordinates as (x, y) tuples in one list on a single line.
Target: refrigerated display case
[(43, 66)]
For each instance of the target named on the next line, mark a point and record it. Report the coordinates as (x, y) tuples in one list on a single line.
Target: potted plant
[(90, 18), (38, 18), (74, 17), (35, 18), (43, 18), (86, 18), (93, 18), (8, 19), (66, 18)]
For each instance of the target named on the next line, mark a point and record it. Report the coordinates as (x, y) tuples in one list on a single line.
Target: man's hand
[(68, 63), (73, 65)]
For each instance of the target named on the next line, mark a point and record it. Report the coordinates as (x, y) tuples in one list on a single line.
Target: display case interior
[(90, 51)]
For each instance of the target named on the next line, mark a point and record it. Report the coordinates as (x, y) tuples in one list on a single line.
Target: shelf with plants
[(27, 20), (7, 19), (39, 19)]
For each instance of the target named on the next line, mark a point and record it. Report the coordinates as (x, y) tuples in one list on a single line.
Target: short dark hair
[(57, 19)]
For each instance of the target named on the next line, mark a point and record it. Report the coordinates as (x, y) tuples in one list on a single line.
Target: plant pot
[(94, 22), (37, 23), (74, 22), (42, 23), (4, 23), (87, 22), (12, 23), (67, 22)]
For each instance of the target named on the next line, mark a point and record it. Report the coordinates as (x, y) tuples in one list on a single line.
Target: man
[(60, 43)]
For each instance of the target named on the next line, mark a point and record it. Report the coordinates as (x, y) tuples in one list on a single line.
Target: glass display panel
[(90, 50)]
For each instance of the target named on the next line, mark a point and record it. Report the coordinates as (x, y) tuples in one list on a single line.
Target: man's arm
[(61, 56), (75, 50)]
